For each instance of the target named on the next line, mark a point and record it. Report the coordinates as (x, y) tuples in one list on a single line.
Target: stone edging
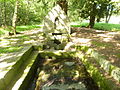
[(17, 72)]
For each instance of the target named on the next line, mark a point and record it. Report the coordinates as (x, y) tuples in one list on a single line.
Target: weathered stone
[(56, 26), (56, 21)]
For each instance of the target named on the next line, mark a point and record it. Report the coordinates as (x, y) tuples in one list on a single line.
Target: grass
[(108, 27), (28, 27), (21, 39), (101, 44), (18, 28), (9, 49), (100, 26)]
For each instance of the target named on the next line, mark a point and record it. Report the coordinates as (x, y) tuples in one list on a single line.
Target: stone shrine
[(56, 26)]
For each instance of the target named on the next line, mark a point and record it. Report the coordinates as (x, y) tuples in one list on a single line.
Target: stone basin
[(61, 71)]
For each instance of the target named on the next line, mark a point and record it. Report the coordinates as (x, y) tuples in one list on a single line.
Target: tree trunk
[(64, 5), (1, 14), (106, 20), (92, 16), (4, 13), (15, 17), (109, 14), (98, 19), (92, 21)]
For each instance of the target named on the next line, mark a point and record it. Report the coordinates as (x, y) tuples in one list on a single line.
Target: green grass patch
[(25, 37), (28, 27), (3, 31), (10, 49), (99, 26), (18, 28), (77, 24), (107, 26), (101, 44)]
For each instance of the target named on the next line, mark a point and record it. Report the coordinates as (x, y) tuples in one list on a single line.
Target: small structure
[(56, 26)]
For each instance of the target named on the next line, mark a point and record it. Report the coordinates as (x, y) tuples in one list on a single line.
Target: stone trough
[(47, 70), (50, 70)]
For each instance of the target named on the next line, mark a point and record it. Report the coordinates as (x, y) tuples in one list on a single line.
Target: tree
[(109, 12), (29, 11), (74, 9), (97, 9), (5, 13), (112, 8), (93, 12), (64, 5), (15, 17)]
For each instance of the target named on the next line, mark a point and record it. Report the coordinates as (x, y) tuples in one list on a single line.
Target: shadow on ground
[(105, 42)]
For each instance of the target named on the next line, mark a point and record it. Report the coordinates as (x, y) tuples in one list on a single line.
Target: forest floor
[(12, 47), (106, 43)]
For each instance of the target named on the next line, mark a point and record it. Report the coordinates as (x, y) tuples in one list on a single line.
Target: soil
[(106, 43)]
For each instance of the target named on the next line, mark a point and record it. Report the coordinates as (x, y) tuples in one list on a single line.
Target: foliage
[(74, 7), (34, 11), (29, 11), (27, 27), (93, 10)]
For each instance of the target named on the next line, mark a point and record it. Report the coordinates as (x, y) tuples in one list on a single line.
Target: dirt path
[(105, 42)]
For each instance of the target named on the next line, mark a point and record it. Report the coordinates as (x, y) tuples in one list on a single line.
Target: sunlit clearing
[(33, 36), (82, 41), (5, 64), (99, 31), (4, 67), (27, 42), (23, 26), (4, 43), (14, 39), (40, 25), (112, 33), (2, 74), (57, 53), (107, 39), (102, 35), (9, 56), (69, 45), (74, 23), (118, 44)]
